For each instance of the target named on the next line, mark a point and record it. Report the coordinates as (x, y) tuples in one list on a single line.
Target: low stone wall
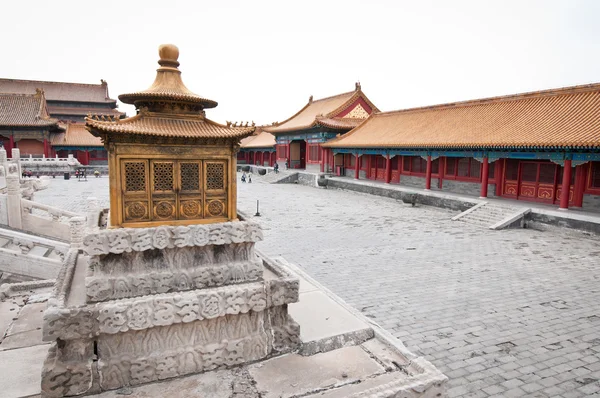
[(254, 168), (429, 200), (537, 219), (591, 202), (307, 179), (467, 188)]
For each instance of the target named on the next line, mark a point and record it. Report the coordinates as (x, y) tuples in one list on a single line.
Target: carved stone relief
[(141, 239)]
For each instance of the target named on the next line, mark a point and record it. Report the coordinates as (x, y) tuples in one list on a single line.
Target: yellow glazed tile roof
[(24, 110), (323, 110), (75, 135), (262, 140), (306, 117), (558, 118)]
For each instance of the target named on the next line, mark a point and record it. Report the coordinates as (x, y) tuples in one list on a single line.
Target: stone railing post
[(16, 158), (77, 229), (3, 158), (93, 213), (13, 200)]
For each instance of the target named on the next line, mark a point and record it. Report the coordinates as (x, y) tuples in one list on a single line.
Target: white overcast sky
[(261, 60)]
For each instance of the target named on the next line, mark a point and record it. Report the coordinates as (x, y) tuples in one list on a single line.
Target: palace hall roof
[(75, 135), (336, 112), (59, 91), (58, 111), (24, 110), (260, 140), (557, 118), (167, 109)]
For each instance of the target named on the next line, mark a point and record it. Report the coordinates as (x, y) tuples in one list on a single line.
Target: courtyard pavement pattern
[(512, 313)]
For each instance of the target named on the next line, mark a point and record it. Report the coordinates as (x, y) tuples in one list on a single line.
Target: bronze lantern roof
[(168, 85), (167, 109)]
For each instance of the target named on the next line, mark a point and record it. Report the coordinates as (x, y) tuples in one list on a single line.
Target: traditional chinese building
[(69, 104), (25, 123), (299, 138), (542, 146), (258, 149)]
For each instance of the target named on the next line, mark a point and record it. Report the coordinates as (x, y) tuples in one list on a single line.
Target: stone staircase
[(29, 255), (493, 215)]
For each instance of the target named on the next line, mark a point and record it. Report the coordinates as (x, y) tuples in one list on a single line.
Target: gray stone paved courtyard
[(512, 313)]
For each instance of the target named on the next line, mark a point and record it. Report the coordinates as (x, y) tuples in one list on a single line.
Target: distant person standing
[(249, 177), (244, 176), (276, 168)]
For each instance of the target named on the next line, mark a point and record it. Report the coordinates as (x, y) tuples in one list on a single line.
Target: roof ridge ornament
[(357, 86)]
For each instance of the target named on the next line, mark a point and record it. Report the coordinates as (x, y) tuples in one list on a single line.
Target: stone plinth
[(146, 304)]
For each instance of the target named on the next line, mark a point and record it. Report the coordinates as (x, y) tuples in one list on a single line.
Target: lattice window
[(135, 176), (190, 177), (163, 176), (215, 176)]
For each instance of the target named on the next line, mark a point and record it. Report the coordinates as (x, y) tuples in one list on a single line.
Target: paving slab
[(24, 375), (26, 330), (8, 312), (355, 388), (295, 375), (325, 324), (389, 357), (217, 384)]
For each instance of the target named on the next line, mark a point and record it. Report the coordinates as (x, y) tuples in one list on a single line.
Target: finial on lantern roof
[(168, 88), (169, 54)]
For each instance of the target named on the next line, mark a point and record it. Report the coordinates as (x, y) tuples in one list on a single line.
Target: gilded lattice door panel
[(215, 195), (190, 190), (163, 190), (134, 174)]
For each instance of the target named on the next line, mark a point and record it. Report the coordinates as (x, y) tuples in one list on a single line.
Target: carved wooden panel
[(545, 192), (190, 176), (136, 211), (135, 176), (215, 176), (216, 208), (162, 173), (510, 188)]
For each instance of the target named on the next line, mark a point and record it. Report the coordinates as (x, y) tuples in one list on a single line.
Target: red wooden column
[(356, 166), (566, 185), (485, 173), (288, 153), (428, 173), (388, 169), (46, 148), (11, 145), (322, 158)]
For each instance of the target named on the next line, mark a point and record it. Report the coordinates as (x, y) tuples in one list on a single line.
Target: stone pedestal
[(145, 304)]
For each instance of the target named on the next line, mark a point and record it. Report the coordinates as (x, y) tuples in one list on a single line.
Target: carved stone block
[(164, 302), (68, 368)]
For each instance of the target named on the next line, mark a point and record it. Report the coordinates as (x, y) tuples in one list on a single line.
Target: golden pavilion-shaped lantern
[(169, 164)]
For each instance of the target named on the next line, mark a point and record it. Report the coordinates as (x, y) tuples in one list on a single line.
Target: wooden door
[(190, 190), (537, 181), (215, 194), (134, 191), (163, 190)]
